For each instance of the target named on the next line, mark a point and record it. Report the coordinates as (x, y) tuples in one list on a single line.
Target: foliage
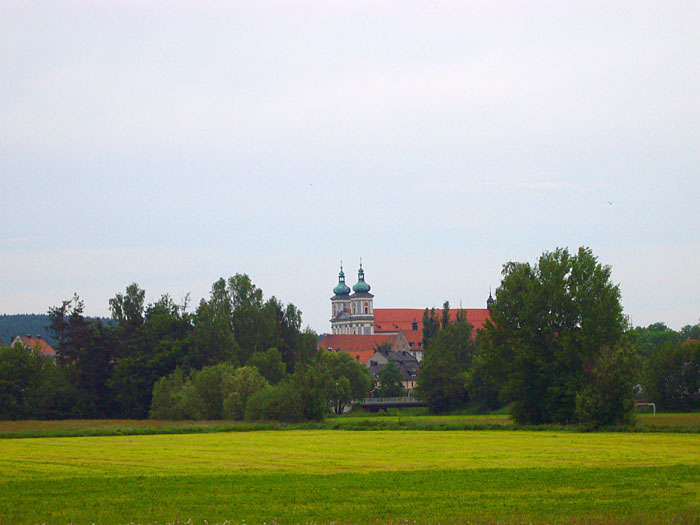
[(431, 326), (442, 381), (150, 343), (243, 384), (32, 386), (672, 376), (280, 402), (346, 378), (390, 381), (212, 337), (270, 365), (551, 321), (383, 348), (167, 401), (84, 350), (649, 339), (609, 395), (691, 332), (212, 393), (482, 390)]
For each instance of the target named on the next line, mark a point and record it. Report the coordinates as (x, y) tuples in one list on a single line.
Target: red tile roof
[(361, 347), (395, 319), (37, 344)]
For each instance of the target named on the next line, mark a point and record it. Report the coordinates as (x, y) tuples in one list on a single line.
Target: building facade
[(357, 327), (352, 313)]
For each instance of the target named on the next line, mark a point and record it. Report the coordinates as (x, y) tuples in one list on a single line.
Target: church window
[(366, 307)]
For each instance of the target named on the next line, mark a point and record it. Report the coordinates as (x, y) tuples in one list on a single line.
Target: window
[(366, 307)]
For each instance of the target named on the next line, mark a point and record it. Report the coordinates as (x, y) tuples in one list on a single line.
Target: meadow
[(323, 476), (404, 419)]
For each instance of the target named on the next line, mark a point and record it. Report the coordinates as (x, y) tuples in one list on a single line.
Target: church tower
[(352, 314), (340, 305), (361, 304)]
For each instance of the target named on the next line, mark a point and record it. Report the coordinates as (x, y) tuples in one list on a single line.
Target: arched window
[(366, 307)]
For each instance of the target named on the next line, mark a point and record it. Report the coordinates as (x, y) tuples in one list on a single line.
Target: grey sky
[(172, 143)]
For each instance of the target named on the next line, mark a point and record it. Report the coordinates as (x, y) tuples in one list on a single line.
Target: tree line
[(558, 349), (162, 360)]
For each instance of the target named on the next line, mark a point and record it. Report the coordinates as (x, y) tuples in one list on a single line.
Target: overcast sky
[(173, 143)]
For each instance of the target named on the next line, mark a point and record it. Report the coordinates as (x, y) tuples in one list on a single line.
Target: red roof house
[(37, 344)]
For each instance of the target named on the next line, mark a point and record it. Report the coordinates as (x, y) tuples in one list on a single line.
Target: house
[(37, 344), (408, 366)]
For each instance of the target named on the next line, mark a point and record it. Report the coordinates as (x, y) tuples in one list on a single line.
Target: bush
[(281, 402), (609, 396), (214, 392), (168, 402), (244, 382)]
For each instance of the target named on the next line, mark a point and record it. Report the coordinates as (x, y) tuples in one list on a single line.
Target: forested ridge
[(12, 325)]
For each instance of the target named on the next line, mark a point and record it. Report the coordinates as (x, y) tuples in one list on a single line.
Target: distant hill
[(13, 325)]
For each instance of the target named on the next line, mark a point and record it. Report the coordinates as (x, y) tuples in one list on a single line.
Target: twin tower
[(352, 313)]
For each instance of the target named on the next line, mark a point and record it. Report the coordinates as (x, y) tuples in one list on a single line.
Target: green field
[(323, 476), (410, 419)]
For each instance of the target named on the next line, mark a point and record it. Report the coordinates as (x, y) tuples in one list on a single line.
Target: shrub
[(281, 402), (238, 388)]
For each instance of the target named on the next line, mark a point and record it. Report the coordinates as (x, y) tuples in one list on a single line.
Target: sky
[(174, 143)]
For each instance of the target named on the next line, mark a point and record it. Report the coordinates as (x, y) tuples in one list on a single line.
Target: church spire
[(341, 288), (361, 286)]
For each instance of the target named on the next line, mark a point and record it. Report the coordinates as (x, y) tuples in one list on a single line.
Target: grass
[(325, 476), (405, 419)]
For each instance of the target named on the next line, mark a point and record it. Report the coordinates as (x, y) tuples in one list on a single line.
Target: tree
[(146, 352), (349, 379), (127, 308), (167, 401), (609, 395), (649, 339), (383, 348), (431, 326), (237, 389), (672, 376), (212, 340), (691, 332), (85, 352), (443, 376), (281, 402), (270, 365), (390, 381), (445, 320), (32, 386), (550, 325)]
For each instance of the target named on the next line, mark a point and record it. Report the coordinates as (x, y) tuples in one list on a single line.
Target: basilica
[(357, 327)]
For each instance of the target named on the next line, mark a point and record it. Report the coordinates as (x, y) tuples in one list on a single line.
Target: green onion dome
[(342, 288), (361, 286)]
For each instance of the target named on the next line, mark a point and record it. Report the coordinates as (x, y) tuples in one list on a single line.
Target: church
[(358, 328)]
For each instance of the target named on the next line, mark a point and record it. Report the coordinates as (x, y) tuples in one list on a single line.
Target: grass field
[(406, 419), (323, 476)]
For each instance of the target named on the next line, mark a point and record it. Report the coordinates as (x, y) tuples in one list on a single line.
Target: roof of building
[(361, 347), (395, 319), (341, 289), (408, 365), (361, 287), (37, 344)]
